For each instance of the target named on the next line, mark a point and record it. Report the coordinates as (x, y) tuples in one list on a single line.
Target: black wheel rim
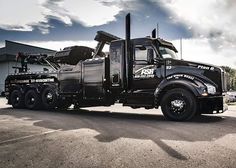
[(30, 100), (49, 97), (16, 99)]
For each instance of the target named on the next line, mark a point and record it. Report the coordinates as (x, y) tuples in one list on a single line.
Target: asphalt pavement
[(114, 136)]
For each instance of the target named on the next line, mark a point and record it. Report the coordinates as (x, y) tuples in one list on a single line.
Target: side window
[(141, 54)]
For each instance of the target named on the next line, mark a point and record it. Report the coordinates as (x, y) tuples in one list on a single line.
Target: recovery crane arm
[(35, 59)]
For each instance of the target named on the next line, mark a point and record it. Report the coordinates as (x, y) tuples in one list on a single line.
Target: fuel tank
[(205, 72)]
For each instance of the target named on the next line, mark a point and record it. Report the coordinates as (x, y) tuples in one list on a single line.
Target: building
[(8, 59)]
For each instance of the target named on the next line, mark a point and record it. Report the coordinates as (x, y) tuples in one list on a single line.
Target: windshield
[(167, 53)]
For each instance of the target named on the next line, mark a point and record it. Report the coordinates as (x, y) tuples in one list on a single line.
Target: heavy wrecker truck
[(141, 72)]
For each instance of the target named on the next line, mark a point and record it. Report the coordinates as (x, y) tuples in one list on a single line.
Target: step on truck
[(139, 72)]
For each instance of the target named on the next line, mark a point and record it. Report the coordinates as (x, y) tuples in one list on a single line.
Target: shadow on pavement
[(112, 126)]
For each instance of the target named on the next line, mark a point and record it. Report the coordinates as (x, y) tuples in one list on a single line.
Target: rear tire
[(179, 105), (17, 99), (49, 98), (32, 100)]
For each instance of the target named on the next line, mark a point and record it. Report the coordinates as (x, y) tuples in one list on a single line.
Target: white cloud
[(200, 50), (23, 15), (204, 15), (2, 44), (214, 19), (89, 12), (20, 15), (213, 23), (58, 45)]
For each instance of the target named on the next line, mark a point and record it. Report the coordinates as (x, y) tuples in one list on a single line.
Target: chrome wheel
[(177, 106)]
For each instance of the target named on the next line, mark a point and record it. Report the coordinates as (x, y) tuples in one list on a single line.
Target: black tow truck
[(140, 72)]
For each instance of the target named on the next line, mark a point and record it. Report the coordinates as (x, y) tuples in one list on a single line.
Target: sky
[(207, 28)]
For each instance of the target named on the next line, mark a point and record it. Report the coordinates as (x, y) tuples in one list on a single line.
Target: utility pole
[(181, 53), (157, 35)]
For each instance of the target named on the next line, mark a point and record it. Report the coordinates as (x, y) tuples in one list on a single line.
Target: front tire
[(179, 105)]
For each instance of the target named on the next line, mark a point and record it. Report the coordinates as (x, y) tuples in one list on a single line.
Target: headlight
[(210, 88)]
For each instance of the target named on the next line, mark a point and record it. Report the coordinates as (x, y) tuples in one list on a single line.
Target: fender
[(186, 81)]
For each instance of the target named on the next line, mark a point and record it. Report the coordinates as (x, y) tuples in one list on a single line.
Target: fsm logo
[(147, 72)]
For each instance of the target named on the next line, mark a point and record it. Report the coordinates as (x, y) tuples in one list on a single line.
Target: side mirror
[(150, 56)]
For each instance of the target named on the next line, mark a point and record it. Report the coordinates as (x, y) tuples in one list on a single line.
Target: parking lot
[(114, 137)]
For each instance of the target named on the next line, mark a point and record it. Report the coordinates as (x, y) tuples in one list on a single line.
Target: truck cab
[(158, 78)]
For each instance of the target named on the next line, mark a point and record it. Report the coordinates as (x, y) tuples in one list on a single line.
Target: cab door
[(146, 72)]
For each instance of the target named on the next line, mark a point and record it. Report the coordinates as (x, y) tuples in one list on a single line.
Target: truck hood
[(205, 72), (200, 65)]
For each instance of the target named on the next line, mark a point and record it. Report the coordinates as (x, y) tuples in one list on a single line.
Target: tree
[(232, 77)]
